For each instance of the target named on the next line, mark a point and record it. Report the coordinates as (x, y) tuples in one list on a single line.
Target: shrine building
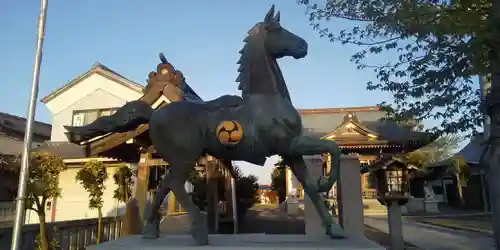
[(360, 131)]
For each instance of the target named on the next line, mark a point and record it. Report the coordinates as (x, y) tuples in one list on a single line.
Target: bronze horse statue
[(264, 120)]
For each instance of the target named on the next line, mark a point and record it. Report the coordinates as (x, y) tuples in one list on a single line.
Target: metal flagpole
[(23, 174)]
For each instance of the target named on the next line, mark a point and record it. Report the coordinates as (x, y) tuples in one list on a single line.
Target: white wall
[(73, 203), (95, 92)]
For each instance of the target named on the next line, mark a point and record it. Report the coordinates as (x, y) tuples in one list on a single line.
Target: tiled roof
[(67, 150), (14, 126), (318, 122), (322, 121), (473, 150), (471, 153)]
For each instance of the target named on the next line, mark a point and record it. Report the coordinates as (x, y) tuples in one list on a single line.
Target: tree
[(246, 192), (42, 184), (123, 180), (278, 180), (441, 152), (92, 177), (123, 191), (438, 48)]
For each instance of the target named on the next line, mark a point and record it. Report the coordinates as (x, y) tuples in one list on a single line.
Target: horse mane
[(243, 73), (251, 44)]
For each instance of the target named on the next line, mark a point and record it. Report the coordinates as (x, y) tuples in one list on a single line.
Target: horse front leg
[(305, 145), (299, 169)]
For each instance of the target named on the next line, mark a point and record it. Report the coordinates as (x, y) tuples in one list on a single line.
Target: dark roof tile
[(66, 150)]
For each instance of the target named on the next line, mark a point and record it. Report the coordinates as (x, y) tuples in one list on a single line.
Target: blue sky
[(201, 38)]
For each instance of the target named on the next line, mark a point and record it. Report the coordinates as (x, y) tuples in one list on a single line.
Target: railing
[(7, 212), (69, 235)]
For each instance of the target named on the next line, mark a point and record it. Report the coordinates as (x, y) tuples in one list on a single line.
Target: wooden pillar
[(171, 204), (212, 198), (141, 193), (228, 194)]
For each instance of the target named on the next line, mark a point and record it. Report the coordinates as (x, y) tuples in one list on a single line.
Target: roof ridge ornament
[(165, 74), (96, 65)]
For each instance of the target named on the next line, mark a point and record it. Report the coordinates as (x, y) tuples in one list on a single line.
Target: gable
[(351, 129), (161, 101), (80, 86), (319, 122), (89, 84)]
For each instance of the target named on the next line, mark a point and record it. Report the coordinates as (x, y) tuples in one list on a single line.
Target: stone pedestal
[(350, 196), (311, 218), (431, 206), (237, 242), (292, 206), (396, 226)]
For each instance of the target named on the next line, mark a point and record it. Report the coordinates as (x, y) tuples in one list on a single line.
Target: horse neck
[(281, 85), (260, 74)]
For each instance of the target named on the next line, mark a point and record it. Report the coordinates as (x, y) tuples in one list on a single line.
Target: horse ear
[(277, 17), (269, 15)]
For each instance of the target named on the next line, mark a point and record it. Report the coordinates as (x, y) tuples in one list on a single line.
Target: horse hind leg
[(304, 145), (152, 215), (178, 177), (299, 169)]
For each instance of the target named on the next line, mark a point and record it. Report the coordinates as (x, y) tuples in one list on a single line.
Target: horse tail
[(126, 118)]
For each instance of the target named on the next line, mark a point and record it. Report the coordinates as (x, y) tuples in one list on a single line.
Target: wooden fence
[(70, 235)]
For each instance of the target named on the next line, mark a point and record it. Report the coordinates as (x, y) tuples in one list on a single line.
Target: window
[(394, 180), (84, 117)]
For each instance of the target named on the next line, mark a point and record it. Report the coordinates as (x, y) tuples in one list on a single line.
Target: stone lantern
[(393, 190), (393, 182)]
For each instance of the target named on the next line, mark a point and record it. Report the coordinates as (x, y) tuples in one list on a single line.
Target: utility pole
[(484, 87), (23, 173)]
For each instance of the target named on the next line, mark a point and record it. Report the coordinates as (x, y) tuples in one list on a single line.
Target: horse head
[(267, 41), (277, 40)]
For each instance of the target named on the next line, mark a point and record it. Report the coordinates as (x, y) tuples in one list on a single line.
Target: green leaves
[(435, 50), (43, 180), (92, 177), (278, 182), (440, 152), (123, 180)]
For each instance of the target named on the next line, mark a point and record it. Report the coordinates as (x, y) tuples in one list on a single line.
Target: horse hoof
[(336, 234), (201, 240), (150, 231), (200, 234)]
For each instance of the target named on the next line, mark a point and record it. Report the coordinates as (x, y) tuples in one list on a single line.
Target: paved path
[(430, 237), (271, 221)]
